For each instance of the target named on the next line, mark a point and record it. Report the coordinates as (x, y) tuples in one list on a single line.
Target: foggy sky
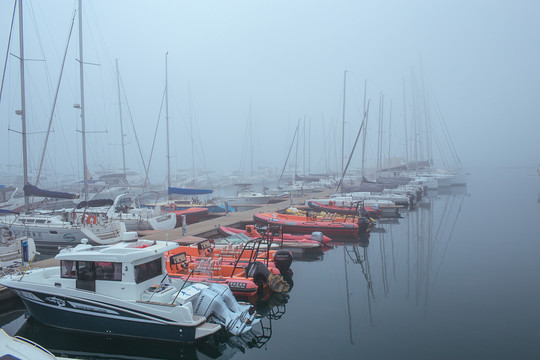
[(479, 62)]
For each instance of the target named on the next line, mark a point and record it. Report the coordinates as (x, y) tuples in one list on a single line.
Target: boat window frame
[(64, 272), (148, 270), (108, 273)]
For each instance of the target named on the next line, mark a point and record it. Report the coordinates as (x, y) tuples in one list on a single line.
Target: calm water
[(456, 278)]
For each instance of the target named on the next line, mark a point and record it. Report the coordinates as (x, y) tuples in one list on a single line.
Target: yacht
[(124, 290)]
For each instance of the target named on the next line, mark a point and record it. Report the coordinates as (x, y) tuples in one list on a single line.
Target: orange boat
[(305, 241), (344, 210), (329, 225), (248, 275)]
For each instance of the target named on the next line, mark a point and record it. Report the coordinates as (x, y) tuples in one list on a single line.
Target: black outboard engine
[(283, 260)]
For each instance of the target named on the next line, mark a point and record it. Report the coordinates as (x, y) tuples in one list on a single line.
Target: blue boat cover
[(184, 191), (31, 190)]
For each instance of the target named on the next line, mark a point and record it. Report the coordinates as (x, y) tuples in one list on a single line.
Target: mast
[(365, 132), (167, 120), (250, 140), (121, 124), (343, 122), (405, 122), (23, 104), (83, 123)]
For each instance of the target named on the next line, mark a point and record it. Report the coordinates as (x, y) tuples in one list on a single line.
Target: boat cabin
[(108, 269)]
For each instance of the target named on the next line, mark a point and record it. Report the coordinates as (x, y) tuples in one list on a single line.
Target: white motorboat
[(19, 348), (124, 290)]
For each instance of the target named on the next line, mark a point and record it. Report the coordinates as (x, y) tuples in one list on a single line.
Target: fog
[(241, 70)]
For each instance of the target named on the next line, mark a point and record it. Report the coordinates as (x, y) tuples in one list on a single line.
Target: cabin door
[(86, 275)]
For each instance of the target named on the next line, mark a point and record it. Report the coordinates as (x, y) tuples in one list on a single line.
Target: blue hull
[(75, 314)]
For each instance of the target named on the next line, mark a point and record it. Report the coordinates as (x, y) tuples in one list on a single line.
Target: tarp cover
[(31, 190), (184, 191), (95, 203)]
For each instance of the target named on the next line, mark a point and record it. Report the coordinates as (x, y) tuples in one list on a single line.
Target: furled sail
[(184, 191), (31, 190)]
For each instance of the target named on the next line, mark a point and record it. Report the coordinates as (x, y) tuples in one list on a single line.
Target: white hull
[(52, 230)]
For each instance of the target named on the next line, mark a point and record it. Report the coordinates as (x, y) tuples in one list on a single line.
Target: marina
[(269, 180), (405, 277)]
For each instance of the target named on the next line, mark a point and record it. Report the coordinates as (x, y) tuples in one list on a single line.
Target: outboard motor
[(317, 236), (208, 301), (283, 260)]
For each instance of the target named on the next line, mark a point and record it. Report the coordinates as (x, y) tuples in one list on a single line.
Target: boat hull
[(105, 319), (299, 226)]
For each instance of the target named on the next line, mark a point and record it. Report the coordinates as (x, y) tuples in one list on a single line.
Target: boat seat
[(216, 266)]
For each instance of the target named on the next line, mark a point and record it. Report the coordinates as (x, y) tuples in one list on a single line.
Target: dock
[(202, 229)]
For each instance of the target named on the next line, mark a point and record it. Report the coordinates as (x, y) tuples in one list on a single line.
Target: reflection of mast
[(356, 258), (383, 265), (449, 238), (347, 294)]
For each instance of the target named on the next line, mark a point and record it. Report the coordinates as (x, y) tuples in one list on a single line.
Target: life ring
[(172, 207), (91, 219)]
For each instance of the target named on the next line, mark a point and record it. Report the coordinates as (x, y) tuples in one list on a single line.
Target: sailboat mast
[(250, 139), (83, 123), (365, 132), (405, 123), (343, 122), (121, 124), (23, 103), (167, 120)]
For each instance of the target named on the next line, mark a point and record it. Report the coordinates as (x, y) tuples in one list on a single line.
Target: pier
[(206, 228)]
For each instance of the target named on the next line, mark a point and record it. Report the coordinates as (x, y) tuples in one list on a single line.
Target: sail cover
[(184, 191), (95, 203), (31, 190)]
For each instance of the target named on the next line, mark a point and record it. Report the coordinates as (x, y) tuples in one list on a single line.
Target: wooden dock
[(200, 229)]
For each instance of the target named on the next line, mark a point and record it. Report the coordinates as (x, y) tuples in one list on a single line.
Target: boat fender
[(317, 236), (283, 260)]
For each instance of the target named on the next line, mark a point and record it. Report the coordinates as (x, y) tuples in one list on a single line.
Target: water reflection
[(400, 262), (80, 345)]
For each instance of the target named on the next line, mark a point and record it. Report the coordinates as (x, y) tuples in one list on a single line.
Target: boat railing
[(255, 253)]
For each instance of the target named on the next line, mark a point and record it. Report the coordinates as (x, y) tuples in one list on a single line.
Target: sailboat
[(60, 228)]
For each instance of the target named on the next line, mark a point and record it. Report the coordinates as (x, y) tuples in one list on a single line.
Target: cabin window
[(148, 270), (124, 201), (40, 221), (108, 271), (85, 270), (67, 269)]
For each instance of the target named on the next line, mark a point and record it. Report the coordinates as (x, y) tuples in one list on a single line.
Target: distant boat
[(353, 226)]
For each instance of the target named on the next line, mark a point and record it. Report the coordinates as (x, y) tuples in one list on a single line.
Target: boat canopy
[(31, 190), (184, 191), (95, 203)]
